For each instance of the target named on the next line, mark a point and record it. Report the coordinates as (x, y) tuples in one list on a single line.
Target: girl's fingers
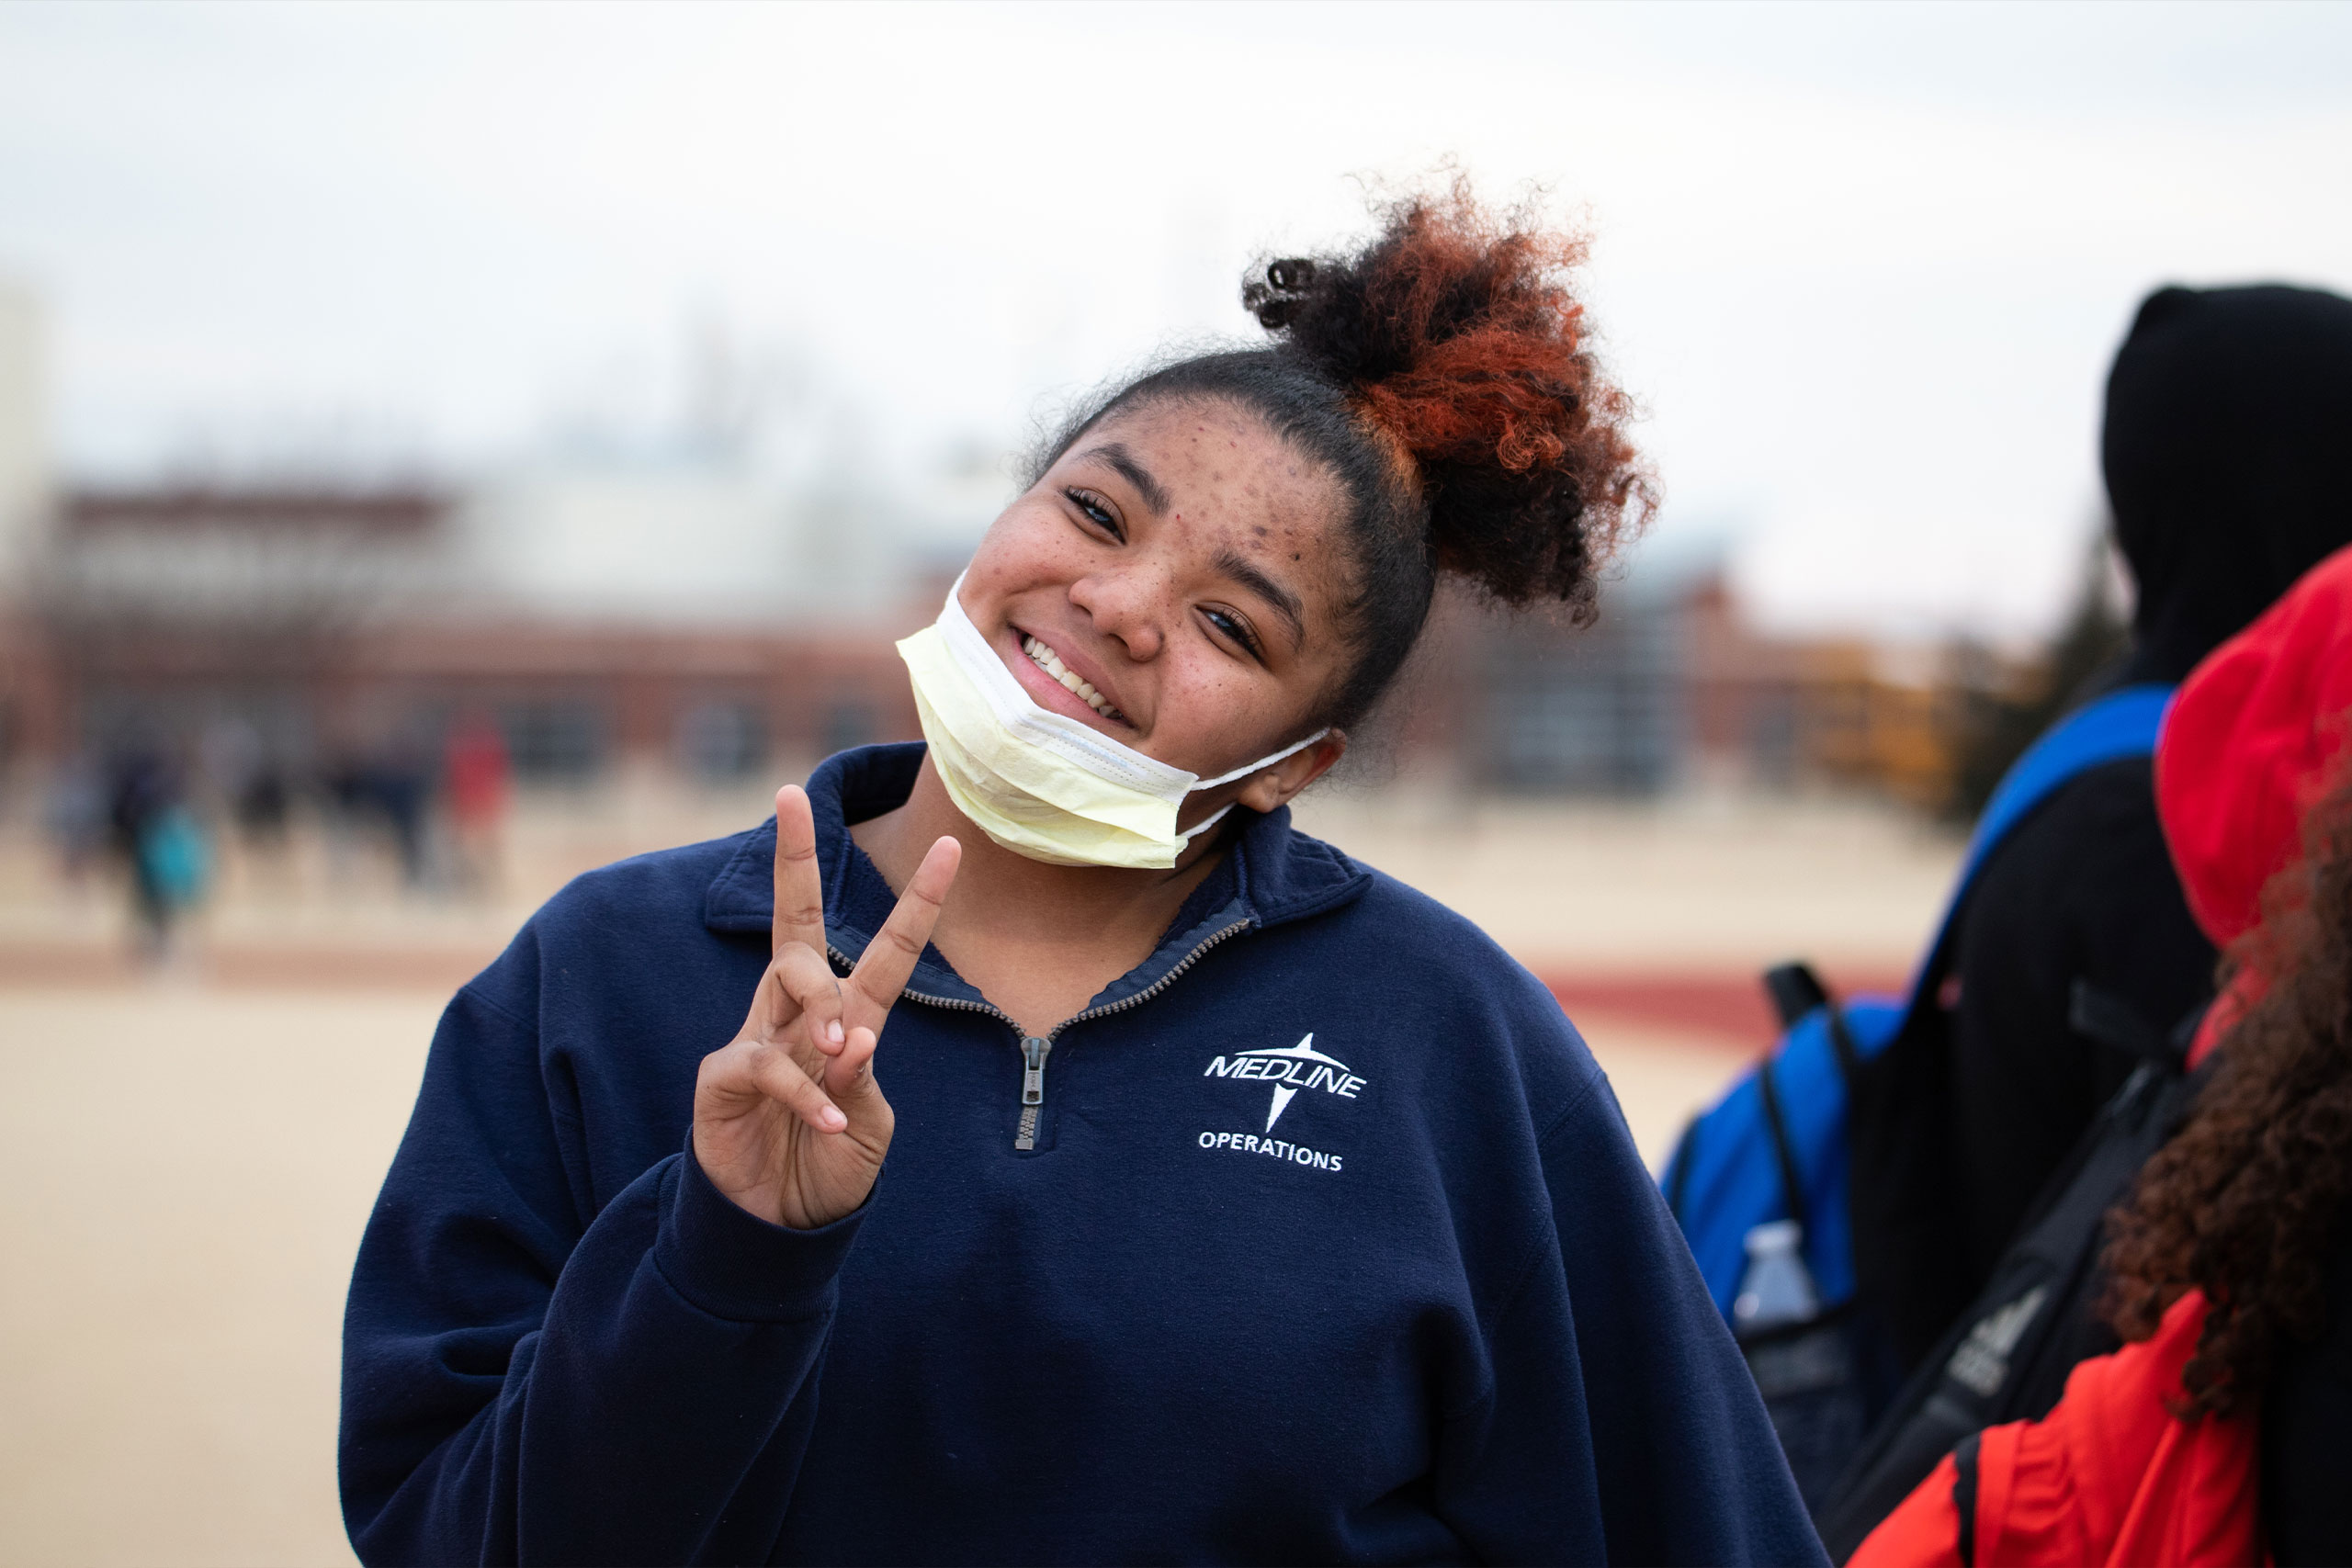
[(799, 914), (776, 1075), (808, 993), (881, 972), (849, 1077)]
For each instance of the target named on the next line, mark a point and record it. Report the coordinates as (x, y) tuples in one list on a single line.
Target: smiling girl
[(1240, 1204)]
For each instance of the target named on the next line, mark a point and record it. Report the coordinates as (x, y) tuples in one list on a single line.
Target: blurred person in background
[(476, 781), (265, 806), (249, 783), (166, 857), (381, 777), (2227, 449), (1240, 1202), (2222, 1432), (231, 751), (400, 779)]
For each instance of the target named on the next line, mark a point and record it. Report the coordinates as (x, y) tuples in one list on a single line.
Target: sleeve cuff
[(733, 1264)]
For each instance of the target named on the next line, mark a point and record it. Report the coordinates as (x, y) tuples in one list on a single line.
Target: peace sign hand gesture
[(788, 1120)]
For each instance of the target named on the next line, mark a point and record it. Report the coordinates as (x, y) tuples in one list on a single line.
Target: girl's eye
[(1090, 505), (1236, 629)]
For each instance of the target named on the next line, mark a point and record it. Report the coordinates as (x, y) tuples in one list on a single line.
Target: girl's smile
[(1062, 682)]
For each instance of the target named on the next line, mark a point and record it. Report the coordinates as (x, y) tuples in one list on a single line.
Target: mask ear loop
[(1249, 768), (1205, 823), (1213, 818)]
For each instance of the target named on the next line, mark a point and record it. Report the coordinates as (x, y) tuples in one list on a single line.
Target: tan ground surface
[(186, 1163), (183, 1179), (1691, 885)]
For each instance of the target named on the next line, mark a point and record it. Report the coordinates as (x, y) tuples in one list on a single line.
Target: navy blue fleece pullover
[(1329, 1245)]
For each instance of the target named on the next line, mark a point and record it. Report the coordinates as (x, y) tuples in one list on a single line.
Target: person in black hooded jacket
[(2228, 456)]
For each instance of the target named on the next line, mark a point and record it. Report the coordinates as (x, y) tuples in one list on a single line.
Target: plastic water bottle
[(1776, 1287), (1804, 1366)]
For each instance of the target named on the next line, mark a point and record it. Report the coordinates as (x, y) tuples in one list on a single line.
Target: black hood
[(2228, 454)]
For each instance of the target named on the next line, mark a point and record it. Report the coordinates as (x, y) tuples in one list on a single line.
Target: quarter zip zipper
[(1033, 1052), (1035, 1048)]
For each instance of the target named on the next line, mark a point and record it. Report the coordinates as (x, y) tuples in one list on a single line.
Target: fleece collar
[(1271, 875)]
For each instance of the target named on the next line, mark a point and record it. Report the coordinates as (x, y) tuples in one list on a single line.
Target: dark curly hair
[(1441, 376), (2245, 1202)]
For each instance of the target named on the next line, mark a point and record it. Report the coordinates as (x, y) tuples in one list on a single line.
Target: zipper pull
[(1032, 1089), (1032, 1081)]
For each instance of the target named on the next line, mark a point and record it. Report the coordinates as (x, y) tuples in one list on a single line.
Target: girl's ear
[(1276, 786)]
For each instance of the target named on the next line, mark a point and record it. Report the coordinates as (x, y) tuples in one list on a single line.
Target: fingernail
[(833, 1032), (833, 1119)]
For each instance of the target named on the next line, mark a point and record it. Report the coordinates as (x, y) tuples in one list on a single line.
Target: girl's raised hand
[(788, 1120)]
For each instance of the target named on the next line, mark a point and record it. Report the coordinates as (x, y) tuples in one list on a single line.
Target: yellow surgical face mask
[(1040, 783)]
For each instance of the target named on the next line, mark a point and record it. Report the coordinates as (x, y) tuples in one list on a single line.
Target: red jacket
[(2111, 1476)]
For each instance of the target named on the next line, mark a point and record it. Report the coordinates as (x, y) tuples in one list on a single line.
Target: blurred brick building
[(332, 622), (1780, 712), (328, 622), (1671, 688), (684, 613)]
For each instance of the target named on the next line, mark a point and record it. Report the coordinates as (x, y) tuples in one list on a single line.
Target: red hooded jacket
[(2110, 1475)]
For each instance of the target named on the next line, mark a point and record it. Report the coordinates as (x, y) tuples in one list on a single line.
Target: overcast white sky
[(1864, 264)]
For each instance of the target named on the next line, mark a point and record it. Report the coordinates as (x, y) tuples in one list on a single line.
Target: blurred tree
[(2003, 705)]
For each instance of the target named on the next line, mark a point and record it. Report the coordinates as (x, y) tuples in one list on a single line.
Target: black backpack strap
[(1678, 1169), (1841, 1040), (1783, 1152), (2007, 1357), (2105, 1019), (1796, 989), (1964, 1494)]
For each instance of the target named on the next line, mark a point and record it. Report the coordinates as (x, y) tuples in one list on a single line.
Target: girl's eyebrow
[(1287, 605), (1135, 473)]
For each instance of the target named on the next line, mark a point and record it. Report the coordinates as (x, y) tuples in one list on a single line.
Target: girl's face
[(1177, 568)]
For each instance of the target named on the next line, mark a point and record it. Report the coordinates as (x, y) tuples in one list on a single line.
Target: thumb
[(849, 1077)]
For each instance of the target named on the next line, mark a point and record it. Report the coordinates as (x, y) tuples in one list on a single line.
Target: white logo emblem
[(1289, 1069)]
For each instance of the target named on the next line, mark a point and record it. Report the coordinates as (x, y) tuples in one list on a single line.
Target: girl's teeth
[(1045, 659)]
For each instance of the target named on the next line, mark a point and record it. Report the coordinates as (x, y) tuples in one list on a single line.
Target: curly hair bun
[(1456, 334)]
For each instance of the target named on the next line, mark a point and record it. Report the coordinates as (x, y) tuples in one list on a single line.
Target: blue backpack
[(1776, 1146)]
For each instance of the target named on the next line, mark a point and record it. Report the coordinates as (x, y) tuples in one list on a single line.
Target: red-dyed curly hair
[(1442, 374), (1457, 331)]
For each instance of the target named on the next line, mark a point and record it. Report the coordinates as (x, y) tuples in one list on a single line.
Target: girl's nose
[(1129, 606)]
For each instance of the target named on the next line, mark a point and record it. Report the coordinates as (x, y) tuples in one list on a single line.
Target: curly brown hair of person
[(2246, 1202)]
